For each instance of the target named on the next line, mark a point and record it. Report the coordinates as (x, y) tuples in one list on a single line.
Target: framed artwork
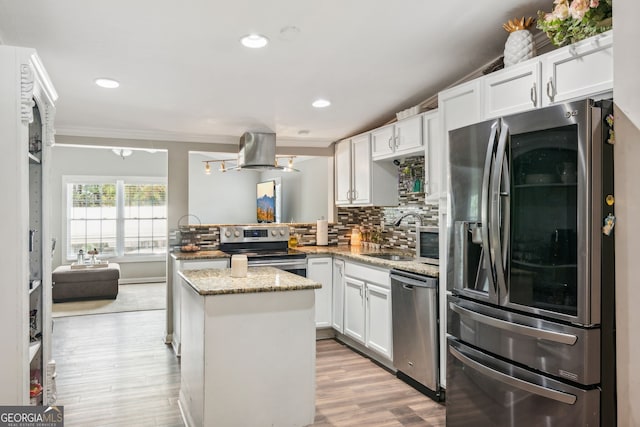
[(266, 201)]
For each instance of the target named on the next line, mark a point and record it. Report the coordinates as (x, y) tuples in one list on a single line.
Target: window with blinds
[(116, 217)]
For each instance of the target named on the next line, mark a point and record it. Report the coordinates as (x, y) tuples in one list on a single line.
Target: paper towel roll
[(322, 232)]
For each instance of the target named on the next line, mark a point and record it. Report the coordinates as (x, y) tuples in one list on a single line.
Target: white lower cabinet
[(182, 265), (378, 320), (321, 270), (354, 309), (337, 306), (367, 307)]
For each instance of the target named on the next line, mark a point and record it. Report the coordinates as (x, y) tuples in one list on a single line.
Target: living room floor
[(115, 370)]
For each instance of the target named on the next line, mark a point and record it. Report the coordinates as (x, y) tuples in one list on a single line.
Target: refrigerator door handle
[(557, 337), (485, 206), (548, 393), (500, 220)]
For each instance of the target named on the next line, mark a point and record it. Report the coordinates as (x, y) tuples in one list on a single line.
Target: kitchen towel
[(322, 232)]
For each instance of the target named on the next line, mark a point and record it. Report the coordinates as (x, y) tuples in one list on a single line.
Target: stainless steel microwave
[(428, 245)]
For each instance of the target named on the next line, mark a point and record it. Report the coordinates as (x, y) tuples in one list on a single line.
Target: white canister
[(322, 232), (239, 265)]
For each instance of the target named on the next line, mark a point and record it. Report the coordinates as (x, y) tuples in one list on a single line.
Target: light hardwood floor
[(114, 370)]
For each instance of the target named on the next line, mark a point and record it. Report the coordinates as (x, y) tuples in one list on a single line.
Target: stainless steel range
[(264, 246)]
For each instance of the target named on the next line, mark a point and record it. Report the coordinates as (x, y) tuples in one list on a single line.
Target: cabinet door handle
[(389, 143), (551, 91), (355, 194), (534, 95), (397, 143)]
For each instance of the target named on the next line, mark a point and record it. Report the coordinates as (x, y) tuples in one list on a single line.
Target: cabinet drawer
[(368, 274)]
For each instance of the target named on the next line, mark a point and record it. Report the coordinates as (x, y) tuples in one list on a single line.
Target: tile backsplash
[(369, 218)]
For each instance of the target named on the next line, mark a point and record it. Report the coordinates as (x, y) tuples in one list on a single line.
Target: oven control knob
[(273, 232), (227, 233), (236, 233), (282, 232)]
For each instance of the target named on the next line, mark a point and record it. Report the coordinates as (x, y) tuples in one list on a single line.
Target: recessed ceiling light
[(107, 83), (321, 103), (254, 41), (304, 132)]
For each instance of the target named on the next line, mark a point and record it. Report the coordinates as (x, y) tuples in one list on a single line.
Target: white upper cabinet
[(408, 136), (361, 166), (512, 90), (343, 172), (433, 155), (571, 72), (580, 70), (358, 180), (459, 106), (400, 139), (382, 143)]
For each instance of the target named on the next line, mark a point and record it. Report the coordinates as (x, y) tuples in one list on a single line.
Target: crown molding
[(26, 93)]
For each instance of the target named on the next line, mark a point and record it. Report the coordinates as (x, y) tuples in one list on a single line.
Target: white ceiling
[(184, 75)]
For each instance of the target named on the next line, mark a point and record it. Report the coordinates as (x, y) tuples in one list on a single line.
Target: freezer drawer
[(560, 350), (485, 391)]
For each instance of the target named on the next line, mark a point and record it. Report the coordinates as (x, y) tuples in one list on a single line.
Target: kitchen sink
[(391, 257)]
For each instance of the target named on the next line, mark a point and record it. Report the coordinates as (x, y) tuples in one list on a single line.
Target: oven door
[(486, 391), (295, 266)]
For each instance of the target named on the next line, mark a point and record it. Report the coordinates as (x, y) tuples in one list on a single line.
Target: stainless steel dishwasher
[(414, 302)]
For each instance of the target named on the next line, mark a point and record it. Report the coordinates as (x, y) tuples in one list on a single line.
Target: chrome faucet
[(399, 220)]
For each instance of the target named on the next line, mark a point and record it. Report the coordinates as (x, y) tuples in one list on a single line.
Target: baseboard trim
[(142, 280), (376, 358)]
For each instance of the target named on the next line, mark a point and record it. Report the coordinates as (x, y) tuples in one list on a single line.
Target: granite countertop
[(356, 254), (259, 279), (198, 255), (344, 251)]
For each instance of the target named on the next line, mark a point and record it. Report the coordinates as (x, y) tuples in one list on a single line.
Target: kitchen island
[(248, 348)]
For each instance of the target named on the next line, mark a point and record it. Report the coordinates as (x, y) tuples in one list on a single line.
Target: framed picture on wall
[(266, 201)]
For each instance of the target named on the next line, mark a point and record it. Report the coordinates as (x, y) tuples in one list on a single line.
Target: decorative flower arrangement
[(573, 20)]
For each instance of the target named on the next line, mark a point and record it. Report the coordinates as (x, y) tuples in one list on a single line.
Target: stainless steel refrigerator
[(530, 270)]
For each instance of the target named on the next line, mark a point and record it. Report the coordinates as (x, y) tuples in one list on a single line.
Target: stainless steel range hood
[(257, 151)]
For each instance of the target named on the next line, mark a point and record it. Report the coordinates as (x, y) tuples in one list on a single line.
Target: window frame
[(120, 209)]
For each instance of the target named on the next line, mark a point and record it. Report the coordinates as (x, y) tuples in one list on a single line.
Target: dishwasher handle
[(415, 280)]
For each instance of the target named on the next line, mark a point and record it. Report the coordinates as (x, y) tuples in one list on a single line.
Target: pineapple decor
[(519, 46)]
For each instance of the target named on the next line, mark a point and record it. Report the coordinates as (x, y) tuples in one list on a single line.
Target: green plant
[(574, 20)]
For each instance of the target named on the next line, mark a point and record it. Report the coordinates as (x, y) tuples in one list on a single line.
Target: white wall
[(627, 195), (221, 197), (305, 193), (102, 162), (230, 197)]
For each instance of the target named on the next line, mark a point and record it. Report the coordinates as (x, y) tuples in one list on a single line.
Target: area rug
[(131, 297)]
